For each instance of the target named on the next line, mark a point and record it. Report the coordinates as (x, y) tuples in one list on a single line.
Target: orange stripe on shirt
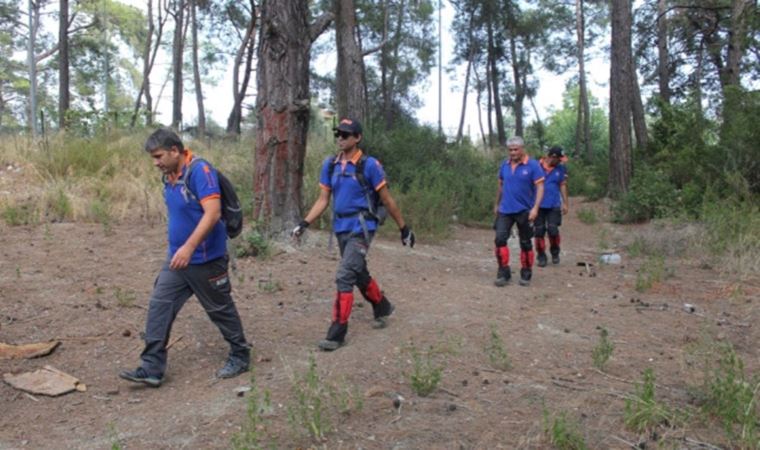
[(381, 185), (210, 197)]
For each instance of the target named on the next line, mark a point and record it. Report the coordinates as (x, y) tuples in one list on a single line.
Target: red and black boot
[(526, 272), (504, 274), (540, 251), (336, 334), (381, 307), (554, 248)]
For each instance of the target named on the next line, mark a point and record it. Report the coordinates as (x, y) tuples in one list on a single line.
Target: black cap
[(349, 126), (556, 151)]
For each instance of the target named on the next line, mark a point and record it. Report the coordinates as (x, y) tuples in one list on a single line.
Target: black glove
[(299, 229), (407, 236)]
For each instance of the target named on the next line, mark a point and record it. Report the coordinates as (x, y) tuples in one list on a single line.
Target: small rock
[(126, 333), (485, 381), (452, 407), (396, 403), (465, 382), (112, 391), (241, 390)]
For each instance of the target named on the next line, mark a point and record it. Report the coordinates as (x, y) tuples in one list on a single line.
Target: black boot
[(336, 336), (381, 311), (555, 255), (541, 259), (525, 276), (503, 276)]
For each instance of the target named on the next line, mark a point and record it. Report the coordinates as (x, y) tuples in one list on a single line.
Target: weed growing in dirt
[(309, 411), (652, 271), (268, 285), (563, 432), (603, 350), (730, 396), (113, 436), (18, 272), (253, 243), (18, 215), (124, 298), (642, 411), (59, 206), (253, 431), (345, 398), (99, 210), (587, 216), (604, 239), (497, 353), (426, 372)]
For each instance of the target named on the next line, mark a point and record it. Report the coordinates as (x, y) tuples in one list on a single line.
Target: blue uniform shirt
[(185, 212), (348, 194), (518, 192), (554, 177)]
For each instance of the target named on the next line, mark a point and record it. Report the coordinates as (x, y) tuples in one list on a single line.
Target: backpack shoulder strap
[(360, 171), (183, 181)]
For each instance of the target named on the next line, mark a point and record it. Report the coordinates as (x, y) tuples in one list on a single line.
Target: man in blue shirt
[(354, 224), (553, 206), (196, 263), (517, 201)]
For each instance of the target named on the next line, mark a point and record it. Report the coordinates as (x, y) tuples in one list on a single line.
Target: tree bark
[(621, 83), (178, 47), (349, 75), (64, 99), (247, 47), (494, 71), (737, 41), (637, 110), (388, 104), (519, 86), (196, 70), (282, 106), (583, 124), (478, 91), (34, 20), (663, 70)]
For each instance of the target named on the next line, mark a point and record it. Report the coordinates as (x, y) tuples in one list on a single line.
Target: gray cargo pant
[(211, 285), (352, 270)]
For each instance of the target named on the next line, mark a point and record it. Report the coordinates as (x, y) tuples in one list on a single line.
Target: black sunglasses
[(343, 134)]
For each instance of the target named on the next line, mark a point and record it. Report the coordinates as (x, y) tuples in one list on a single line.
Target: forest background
[(90, 87)]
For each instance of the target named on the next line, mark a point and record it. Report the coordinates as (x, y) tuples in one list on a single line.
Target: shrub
[(651, 195), (426, 372), (563, 433), (587, 216), (642, 411), (497, 353), (603, 350), (251, 435)]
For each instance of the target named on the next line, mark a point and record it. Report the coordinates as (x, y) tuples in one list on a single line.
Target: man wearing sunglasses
[(354, 227)]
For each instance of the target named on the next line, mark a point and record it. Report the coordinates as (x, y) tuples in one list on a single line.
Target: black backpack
[(232, 212), (377, 210)]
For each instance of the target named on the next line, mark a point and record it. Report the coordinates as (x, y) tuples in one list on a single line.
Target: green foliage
[(18, 214), (603, 350), (642, 411), (587, 216), (309, 410), (252, 433), (315, 399), (561, 125), (113, 436), (731, 397), (563, 432), (496, 351), (58, 207), (426, 371), (651, 195), (269, 285), (652, 271), (740, 136), (588, 179), (253, 243)]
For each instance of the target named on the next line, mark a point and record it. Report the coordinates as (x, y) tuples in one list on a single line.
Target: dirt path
[(90, 289)]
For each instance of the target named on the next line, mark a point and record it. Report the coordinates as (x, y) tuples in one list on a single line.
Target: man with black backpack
[(197, 260), (360, 198)]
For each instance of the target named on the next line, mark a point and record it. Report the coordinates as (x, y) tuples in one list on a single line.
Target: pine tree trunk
[(621, 84), (178, 47), (495, 86), (519, 91), (349, 75), (145, 86), (247, 48), (64, 102), (197, 71), (637, 109), (663, 71), (282, 106), (583, 124)]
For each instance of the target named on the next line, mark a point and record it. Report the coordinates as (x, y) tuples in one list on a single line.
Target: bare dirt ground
[(89, 288)]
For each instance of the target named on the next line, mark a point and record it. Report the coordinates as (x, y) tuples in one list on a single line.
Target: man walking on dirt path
[(520, 192), (553, 206), (197, 261), (360, 192)]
